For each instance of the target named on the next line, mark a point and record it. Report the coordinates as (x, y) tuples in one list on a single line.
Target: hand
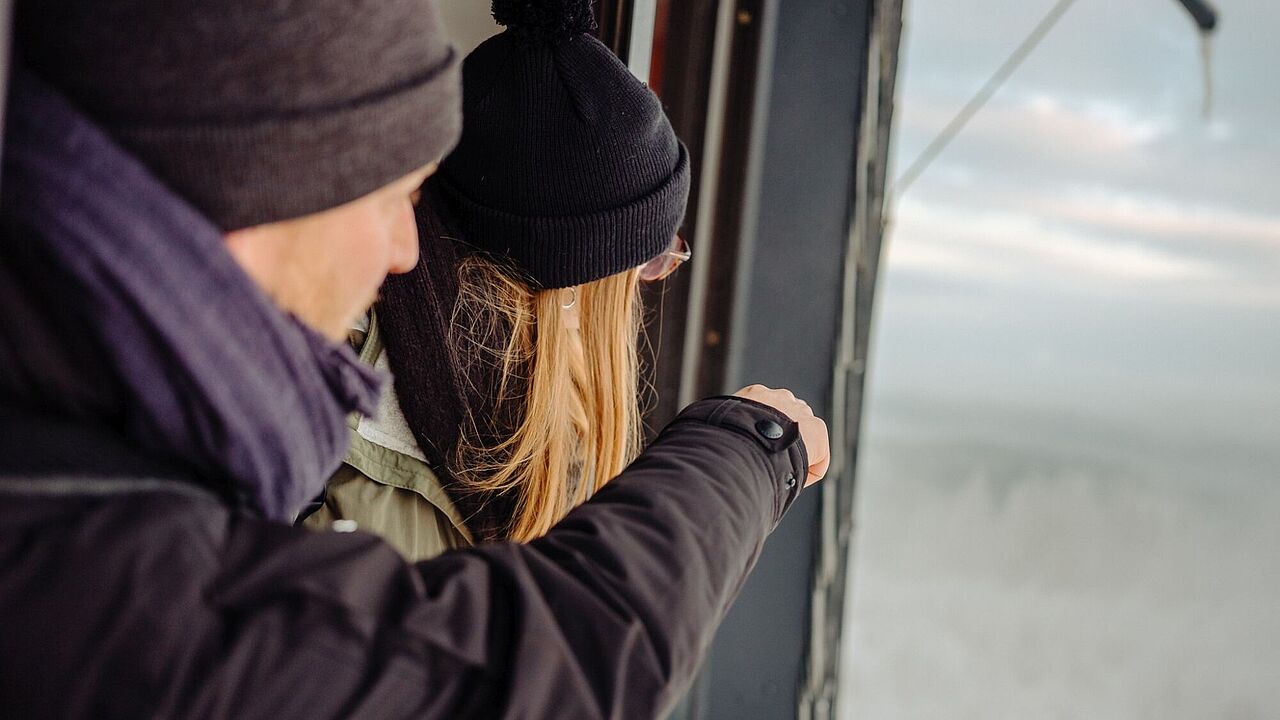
[(813, 431)]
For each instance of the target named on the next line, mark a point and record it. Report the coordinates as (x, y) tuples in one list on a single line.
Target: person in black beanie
[(565, 192)]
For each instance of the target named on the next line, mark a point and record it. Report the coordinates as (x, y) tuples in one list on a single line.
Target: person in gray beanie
[(197, 199)]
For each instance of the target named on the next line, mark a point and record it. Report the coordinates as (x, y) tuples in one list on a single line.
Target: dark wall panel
[(785, 320)]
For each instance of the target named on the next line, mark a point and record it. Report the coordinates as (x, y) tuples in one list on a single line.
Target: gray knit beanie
[(256, 110)]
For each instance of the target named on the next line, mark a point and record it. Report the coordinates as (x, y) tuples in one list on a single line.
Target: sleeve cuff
[(777, 434)]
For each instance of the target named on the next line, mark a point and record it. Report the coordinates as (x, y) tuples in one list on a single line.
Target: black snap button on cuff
[(791, 480), (769, 429)]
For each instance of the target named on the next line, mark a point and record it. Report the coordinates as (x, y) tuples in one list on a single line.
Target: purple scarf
[(125, 309)]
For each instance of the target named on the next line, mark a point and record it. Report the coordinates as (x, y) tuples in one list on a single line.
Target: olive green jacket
[(388, 492)]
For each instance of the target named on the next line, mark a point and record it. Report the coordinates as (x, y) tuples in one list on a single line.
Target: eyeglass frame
[(677, 254)]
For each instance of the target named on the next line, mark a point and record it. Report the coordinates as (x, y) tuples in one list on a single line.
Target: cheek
[(363, 253), (368, 242), (371, 255)]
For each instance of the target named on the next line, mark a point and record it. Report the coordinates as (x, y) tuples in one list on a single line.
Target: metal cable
[(975, 104)]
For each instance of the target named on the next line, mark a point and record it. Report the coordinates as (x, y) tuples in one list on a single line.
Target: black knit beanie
[(255, 110), (567, 163)]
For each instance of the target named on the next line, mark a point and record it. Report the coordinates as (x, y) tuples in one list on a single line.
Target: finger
[(817, 440), (818, 470), (817, 444)]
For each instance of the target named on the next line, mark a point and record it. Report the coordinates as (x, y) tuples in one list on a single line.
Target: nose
[(404, 244)]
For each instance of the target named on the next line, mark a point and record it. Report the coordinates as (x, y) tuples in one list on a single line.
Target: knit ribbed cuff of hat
[(569, 250), (241, 174)]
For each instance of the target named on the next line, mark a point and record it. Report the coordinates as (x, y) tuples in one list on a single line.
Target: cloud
[(1112, 99), (988, 245), (1160, 217), (1090, 241), (1049, 127), (1093, 171)]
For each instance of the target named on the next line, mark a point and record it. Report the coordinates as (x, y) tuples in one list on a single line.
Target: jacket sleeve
[(607, 616)]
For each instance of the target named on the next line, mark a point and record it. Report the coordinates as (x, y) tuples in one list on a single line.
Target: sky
[(1069, 479), (1090, 220)]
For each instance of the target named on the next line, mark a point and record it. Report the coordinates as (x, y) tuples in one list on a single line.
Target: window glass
[(1070, 478)]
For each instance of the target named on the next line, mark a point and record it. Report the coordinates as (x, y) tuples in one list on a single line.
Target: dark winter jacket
[(145, 570)]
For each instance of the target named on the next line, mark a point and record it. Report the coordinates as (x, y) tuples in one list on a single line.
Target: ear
[(570, 308)]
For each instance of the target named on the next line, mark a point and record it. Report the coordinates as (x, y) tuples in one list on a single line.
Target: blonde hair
[(571, 395)]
